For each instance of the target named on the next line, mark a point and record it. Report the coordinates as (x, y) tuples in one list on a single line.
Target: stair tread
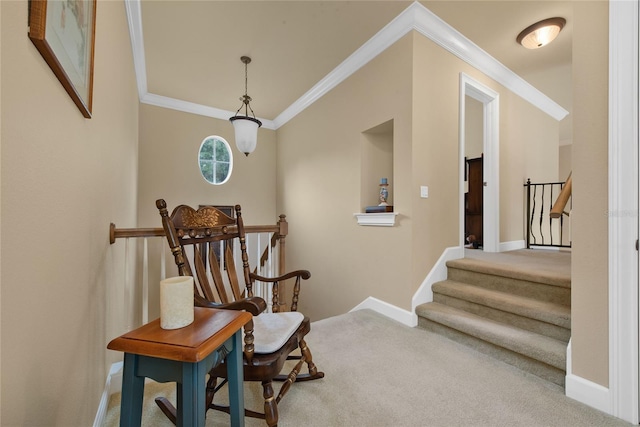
[(530, 344), (503, 270), (548, 312)]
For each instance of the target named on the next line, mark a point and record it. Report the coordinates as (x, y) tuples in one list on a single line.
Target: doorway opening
[(479, 195)]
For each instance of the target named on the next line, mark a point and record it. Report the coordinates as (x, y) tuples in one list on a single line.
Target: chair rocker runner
[(201, 242)]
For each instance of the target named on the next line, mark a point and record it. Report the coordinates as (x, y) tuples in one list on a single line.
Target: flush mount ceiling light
[(246, 127), (541, 33)]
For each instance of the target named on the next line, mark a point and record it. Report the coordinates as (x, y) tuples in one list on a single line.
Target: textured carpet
[(382, 373), (546, 266)]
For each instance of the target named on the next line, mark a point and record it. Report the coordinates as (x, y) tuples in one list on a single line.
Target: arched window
[(215, 160)]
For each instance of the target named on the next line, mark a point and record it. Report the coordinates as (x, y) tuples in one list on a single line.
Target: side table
[(185, 356)]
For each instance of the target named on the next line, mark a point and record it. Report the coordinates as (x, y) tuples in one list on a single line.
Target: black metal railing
[(541, 229)]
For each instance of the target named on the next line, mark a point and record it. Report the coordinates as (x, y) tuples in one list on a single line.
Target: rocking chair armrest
[(253, 305), (303, 274)]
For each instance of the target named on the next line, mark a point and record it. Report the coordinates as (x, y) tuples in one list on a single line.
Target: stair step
[(543, 287), (532, 352), (537, 275), (550, 319)]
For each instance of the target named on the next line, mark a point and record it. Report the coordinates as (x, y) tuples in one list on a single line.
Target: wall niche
[(377, 163), (376, 166)]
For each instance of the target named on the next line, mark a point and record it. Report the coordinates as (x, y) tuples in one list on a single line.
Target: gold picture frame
[(63, 31)]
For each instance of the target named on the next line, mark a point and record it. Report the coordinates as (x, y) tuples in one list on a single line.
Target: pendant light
[(246, 127)]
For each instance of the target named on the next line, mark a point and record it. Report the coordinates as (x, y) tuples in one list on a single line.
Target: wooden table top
[(210, 329)]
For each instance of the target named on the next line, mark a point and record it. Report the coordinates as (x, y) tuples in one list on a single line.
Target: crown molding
[(415, 17), (447, 37), (134, 19), (377, 44), (193, 108)]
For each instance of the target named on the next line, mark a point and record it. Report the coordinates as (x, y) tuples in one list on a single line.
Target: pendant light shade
[(246, 127), (541, 33)]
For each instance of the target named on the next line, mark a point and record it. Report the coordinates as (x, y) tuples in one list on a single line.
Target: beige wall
[(319, 189), (168, 167), (473, 128), (528, 141), (565, 161), (64, 179), (589, 270), (416, 84), (556, 83)]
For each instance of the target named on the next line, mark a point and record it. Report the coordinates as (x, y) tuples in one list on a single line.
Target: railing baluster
[(127, 289), (163, 260), (533, 212), (541, 215), (145, 281), (551, 207)]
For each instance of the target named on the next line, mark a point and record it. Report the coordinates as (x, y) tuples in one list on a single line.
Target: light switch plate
[(424, 191)]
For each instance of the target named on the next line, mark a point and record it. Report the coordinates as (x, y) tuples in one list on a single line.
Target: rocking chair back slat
[(214, 265), (201, 274), (231, 273)]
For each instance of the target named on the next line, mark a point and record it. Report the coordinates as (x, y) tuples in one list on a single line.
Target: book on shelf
[(376, 209)]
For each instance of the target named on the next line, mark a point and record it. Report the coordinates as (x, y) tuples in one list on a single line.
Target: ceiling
[(192, 49)]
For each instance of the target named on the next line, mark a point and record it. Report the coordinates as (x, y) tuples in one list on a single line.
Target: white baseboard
[(113, 384), (512, 246), (587, 392), (424, 293), (389, 310), (437, 273)]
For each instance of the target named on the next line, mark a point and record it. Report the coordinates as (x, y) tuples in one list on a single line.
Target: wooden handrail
[(558, 207), (120, 233)]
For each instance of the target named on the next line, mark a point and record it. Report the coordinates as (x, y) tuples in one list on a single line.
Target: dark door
[(473, 202)]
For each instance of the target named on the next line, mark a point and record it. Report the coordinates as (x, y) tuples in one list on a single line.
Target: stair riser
[(539, 291), (533, 325), (524, 363)]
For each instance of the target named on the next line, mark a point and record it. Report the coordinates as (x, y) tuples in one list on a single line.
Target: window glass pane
[(222, 170), (206, 168), (222, 153), (215, 160)]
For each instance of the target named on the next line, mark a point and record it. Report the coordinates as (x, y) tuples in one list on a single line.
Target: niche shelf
[(380, 219)]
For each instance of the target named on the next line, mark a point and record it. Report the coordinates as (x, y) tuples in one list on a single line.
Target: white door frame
[(491, 162), (624, 388)]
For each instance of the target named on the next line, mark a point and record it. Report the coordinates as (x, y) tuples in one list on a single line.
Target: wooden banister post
[(528, 239), (283, 230)]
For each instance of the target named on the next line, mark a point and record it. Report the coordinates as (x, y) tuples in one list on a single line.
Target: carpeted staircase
[(518, 312)]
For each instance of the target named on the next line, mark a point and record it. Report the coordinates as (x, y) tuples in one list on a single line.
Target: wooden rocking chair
[(201, 242)]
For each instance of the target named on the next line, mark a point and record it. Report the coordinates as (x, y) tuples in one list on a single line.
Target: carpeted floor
[(382, 373)]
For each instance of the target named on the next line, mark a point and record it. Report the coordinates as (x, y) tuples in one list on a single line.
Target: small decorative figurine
[(384, 192)]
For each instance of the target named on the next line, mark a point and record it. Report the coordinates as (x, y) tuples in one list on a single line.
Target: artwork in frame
[(63, 31)]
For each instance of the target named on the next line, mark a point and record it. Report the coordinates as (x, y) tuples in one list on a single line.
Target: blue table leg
[(191, 398), (191, 386), (132, 393), (236, 378)]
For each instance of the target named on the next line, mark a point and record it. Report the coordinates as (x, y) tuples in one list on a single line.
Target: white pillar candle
[(176, 302)]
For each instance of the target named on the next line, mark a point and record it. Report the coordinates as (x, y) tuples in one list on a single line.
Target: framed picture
[(63, 31)]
